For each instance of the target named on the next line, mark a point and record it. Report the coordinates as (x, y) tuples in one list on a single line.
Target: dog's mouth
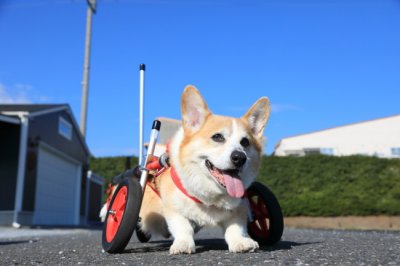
[(228, 179)]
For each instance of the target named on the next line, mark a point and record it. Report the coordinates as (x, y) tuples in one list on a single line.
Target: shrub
[(108, 167), (333, 186), (314, 185)]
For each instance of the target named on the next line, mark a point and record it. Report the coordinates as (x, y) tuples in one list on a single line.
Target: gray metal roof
[(11, 110), (30, 108)]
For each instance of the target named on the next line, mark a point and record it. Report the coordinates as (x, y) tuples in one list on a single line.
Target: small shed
[(44, 163)]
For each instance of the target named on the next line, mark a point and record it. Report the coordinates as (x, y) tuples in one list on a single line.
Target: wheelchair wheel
[(267, 224), (122, 215)]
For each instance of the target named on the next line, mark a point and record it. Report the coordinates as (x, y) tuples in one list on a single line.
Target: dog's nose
[(238, 158)]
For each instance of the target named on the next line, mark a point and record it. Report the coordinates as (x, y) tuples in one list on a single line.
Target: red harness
[(155, 165), (178, 184)]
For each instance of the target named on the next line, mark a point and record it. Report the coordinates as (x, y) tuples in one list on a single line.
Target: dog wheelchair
[(265, 219)]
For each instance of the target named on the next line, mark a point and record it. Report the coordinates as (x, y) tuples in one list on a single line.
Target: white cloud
[(20, 93), (17, 94)]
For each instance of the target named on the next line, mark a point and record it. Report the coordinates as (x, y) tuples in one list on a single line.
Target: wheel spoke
[(261, 224), (262, 208)]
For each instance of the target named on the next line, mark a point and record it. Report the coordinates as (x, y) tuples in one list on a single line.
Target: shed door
[(57, 189)]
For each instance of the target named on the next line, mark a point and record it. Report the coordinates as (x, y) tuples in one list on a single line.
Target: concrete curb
[(384, 223)]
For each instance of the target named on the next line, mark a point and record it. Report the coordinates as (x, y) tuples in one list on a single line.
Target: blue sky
[(322, 63)]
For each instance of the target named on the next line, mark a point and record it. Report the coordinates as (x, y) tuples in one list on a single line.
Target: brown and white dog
[(214, 159)]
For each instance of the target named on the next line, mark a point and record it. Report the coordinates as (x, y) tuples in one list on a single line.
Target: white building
[(378, 137)]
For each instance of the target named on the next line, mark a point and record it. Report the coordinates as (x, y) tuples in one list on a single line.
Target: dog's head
[(216, 155)]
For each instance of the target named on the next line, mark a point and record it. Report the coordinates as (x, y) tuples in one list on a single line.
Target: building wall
[(45, 128), (28, 201), (95, 203), (374, 138), (42, 129)]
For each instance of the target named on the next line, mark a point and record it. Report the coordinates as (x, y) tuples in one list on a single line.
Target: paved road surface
[(298, 247)]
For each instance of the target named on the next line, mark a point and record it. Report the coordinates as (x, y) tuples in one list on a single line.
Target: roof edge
[(79, 133), (49, 111), (7, 119)]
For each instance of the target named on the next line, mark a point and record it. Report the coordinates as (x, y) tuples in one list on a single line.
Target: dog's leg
[(238, 239), (103, 213), (236, 233), (154, 223), (183, 232)]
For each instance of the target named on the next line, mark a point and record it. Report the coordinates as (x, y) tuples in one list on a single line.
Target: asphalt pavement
[(27, 246)]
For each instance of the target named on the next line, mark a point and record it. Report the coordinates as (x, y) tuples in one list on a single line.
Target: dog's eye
[(218, 137), (245, 142)]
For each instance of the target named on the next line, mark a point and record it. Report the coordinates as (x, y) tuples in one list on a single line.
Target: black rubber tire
[(142, 236), (271, 216), (127, 223)]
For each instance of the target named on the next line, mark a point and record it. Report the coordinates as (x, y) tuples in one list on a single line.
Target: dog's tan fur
[(176, 213)]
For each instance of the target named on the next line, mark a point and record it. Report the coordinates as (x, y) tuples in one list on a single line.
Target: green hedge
[(108, 167), (333, 186), (315, 185)]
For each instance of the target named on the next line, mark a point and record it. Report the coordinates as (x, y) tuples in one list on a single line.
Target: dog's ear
[(257, 116), (194, 109)]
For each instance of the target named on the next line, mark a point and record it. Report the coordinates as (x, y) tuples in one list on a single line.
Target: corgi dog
[(213, 160)]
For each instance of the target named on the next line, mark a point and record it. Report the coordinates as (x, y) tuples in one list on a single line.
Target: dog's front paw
[(244, 244), (181, 246)]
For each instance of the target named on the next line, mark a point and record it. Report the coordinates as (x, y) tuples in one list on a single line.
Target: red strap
[(153, 164), (154, 189), (179, 185)]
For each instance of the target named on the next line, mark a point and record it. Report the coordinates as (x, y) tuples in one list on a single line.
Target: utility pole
[(85, 83)]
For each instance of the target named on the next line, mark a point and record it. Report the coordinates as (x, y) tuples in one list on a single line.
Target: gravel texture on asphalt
[(297, 247)]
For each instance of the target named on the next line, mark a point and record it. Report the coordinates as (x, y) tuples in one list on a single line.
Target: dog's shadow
[(285, 245), (212, 244), (152, 246), (204, 245)]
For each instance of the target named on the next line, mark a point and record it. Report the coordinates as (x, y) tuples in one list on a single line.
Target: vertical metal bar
[(141, 112), (88, 186), (150, 151), (23, 143)]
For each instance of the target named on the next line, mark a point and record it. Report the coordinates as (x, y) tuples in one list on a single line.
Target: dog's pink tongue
[(234, 186)]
